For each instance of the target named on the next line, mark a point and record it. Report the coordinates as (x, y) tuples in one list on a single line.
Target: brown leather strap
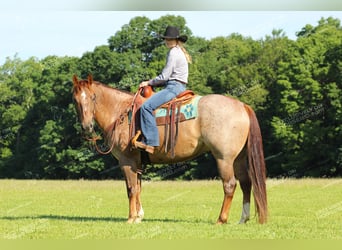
[(172, 128), (166, 128), (178, 81)]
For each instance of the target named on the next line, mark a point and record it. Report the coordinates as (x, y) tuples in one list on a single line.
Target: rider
[(174, 77)]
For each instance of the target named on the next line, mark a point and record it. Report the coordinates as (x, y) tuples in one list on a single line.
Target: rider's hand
[(143, 84)]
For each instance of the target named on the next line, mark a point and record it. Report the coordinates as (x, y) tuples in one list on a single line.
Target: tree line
[(293, 85)]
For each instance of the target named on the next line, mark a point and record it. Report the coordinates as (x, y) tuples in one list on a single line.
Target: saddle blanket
[(189, 110)]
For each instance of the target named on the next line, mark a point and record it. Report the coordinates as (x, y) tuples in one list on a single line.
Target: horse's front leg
[(140, 210), (133, 185)]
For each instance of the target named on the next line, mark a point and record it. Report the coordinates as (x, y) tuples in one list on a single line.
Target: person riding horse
[(174, 77)]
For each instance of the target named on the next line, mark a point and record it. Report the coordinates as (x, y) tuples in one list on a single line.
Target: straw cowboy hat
[(172, 32)]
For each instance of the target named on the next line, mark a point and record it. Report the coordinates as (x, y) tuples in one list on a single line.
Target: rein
[(97, 137), (94, 140)]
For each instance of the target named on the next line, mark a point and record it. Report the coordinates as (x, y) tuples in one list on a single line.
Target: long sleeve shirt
[(176, 68)]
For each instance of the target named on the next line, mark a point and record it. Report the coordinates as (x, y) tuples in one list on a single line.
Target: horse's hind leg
[(241, 172), (246, 190), (229, 184)]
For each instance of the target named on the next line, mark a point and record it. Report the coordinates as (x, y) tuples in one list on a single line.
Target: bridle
[(97, 137), (117, 122)]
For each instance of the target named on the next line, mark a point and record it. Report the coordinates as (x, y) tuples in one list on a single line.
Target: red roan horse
[(224, 126)]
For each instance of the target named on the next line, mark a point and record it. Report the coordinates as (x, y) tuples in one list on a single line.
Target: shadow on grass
[(84, 218)]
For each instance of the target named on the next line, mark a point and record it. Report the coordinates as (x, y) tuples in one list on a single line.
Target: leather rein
[(97, 137)]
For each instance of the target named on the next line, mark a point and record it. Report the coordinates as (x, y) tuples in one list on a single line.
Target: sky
[(38, 33)]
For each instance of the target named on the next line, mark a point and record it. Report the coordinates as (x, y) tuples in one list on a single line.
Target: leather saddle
[(170, 120)]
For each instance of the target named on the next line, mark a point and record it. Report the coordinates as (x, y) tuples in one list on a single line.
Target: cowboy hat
[(172, 32)]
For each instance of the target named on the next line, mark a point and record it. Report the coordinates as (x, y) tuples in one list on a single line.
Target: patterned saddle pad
[(188, 110)]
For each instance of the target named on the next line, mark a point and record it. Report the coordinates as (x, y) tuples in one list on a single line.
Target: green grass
[(299, 209)]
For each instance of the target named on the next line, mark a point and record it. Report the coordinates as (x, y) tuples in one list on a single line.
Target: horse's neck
[(110, 105)]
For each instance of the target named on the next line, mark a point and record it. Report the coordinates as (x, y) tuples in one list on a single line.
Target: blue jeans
[(148, 120)]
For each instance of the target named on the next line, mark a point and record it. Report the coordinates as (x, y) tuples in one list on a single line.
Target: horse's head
[(85, 99)]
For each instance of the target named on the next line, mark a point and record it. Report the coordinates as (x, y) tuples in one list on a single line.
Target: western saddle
[(170, 121)]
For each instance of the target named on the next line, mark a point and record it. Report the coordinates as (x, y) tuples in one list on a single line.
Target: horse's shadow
[(83, 218)]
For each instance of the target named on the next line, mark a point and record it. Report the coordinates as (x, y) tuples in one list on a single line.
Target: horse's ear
[(75, 81), (90, 79)]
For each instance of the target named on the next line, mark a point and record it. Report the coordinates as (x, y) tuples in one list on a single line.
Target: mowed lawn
[(299, 209)]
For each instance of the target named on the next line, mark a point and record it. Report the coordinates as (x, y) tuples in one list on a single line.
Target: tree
[(19, 80), (294, 86), (307, 97)]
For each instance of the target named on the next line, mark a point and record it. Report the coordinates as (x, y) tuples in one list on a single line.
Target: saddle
[(170, 120)]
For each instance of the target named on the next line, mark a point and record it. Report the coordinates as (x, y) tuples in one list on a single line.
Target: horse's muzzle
[(88, 128)]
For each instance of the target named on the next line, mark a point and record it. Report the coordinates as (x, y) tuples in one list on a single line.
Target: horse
[(226, 127)]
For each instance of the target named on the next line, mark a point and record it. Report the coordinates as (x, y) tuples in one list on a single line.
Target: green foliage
[(294, 86), (309, 86)]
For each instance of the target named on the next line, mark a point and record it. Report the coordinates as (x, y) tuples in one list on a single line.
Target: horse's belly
[(188, 145)]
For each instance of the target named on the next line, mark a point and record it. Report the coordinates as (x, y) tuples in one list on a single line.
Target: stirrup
[(135, 138), (140, 145)]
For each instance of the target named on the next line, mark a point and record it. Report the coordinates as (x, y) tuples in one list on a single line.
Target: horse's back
[(220, 103)]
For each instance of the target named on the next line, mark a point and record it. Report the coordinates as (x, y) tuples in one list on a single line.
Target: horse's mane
[(85, 82), (112, 88)]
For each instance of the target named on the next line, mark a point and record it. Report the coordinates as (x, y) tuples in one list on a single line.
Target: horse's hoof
[(137, 220), (130, 221), (220, 222), (243, 220)]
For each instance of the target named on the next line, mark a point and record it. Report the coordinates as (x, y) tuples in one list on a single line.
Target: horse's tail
[(257, 168)]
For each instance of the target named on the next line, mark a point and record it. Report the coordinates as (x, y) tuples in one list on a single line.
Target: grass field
[(299, 209)]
